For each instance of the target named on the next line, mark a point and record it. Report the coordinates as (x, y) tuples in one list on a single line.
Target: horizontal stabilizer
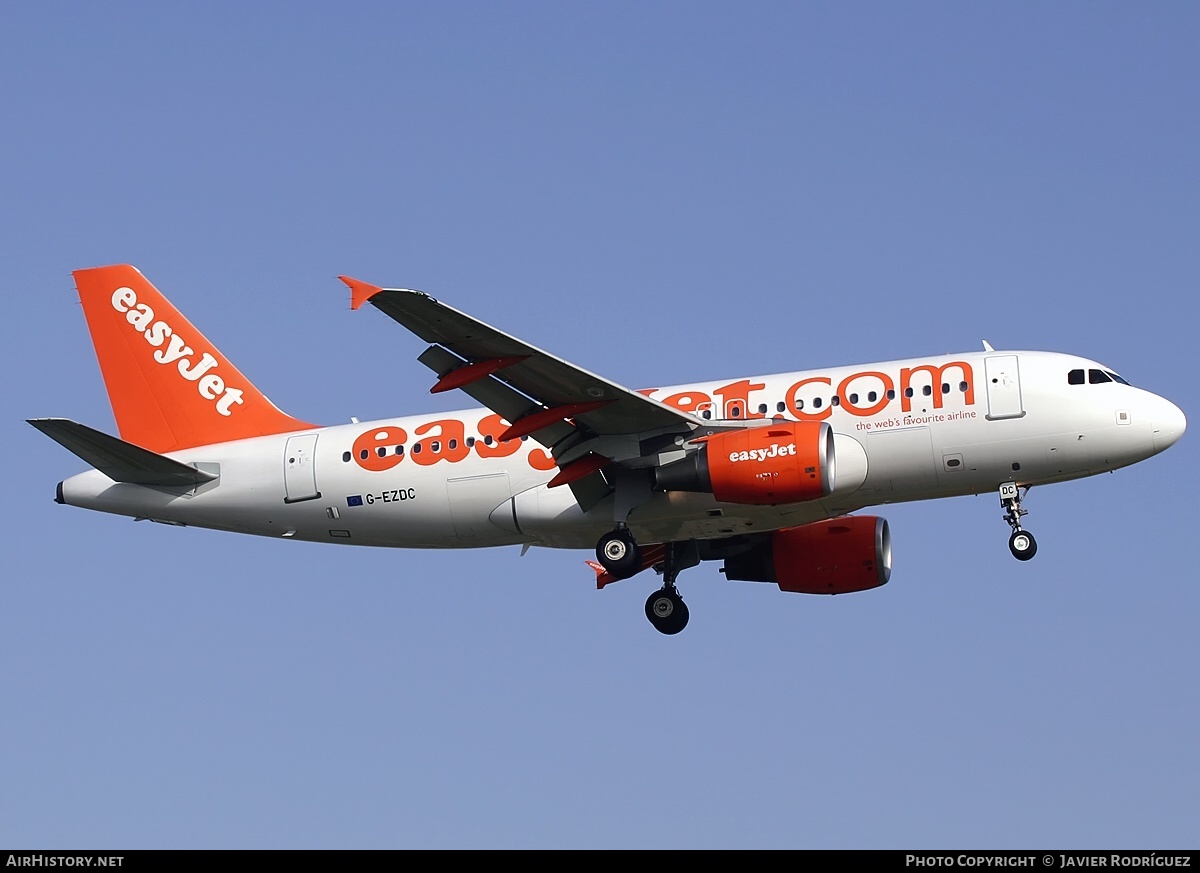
[(117, 459)]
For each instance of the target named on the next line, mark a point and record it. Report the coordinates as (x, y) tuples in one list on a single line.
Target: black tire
[(1022, 545), (619, 554), (667, 611)]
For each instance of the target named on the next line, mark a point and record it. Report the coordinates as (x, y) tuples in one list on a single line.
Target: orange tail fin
[(169, 386)]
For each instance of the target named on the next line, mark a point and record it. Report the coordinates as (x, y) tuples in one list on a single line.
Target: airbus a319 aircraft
[(763, 473)]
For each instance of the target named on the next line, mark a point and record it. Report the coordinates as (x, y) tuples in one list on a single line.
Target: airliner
[(767, 474)]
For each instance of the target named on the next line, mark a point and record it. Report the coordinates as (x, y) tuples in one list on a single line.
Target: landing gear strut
[(1022, 544), (619, 554), (665, 608), (617, 551)]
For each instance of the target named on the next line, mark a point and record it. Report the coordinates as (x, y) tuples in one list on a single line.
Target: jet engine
[(784, 462), (836, 556)]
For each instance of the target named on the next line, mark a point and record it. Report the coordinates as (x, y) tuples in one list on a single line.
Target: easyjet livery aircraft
[(762, 473)]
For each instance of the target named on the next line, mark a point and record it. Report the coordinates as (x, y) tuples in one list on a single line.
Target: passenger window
[(962, 386), (892, 394), (853, 398), (836, 400), (908, 392), (762, 409), (816, 403), (872, 396), (945, 387), (364, 454), (780, 406), (1075, 377), (416, 448)]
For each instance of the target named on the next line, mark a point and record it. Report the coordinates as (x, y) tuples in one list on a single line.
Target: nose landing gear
[(1022, 544)]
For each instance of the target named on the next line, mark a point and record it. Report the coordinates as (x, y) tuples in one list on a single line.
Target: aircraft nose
[(1169, 423)]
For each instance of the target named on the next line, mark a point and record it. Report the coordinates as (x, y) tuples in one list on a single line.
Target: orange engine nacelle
[(784, 462), (837, 556)]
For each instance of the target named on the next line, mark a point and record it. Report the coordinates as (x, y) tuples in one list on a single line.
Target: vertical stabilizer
[(170, 388)]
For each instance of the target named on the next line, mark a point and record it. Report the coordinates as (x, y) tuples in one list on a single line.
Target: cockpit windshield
[(1093, 377)]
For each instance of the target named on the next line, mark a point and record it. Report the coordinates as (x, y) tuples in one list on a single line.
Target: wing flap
[(496, 396)]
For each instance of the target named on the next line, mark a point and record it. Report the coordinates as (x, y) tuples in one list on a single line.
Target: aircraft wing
[(540, 394)]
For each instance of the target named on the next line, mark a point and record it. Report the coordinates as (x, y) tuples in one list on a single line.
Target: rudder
[(170, 388)]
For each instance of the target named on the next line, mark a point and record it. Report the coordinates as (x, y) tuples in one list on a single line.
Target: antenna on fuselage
[(987, 347)]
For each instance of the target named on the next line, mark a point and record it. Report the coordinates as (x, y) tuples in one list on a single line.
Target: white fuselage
[(904, 430)]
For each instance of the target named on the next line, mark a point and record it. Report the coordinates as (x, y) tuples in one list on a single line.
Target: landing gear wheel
[(1022, 545), (619, 554), (667, 611)]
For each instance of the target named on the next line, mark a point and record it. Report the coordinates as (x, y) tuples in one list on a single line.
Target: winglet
[(652, 555), (603, 577), (360, 292)]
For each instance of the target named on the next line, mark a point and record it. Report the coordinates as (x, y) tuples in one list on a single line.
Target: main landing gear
[(666, 610), (1022, 544), (619, 554)]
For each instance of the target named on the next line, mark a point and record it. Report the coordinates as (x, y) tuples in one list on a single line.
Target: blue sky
[(660, 192)]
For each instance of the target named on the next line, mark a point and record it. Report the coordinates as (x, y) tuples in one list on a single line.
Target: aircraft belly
[(900, 465), (1024, 460), (474, 501), (551, 517), (407, 507), (1118, 446)]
